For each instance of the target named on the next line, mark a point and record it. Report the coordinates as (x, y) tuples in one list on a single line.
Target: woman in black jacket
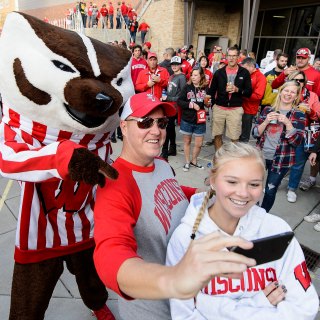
[(193, 121)]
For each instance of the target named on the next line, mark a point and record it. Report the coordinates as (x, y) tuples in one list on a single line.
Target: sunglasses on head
[(299, 80), (147, 122)]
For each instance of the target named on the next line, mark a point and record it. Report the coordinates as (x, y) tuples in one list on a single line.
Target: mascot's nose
[(103, 102)]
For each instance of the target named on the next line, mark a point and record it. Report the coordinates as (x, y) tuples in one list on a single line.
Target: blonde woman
[(274, 290), (280, 131)]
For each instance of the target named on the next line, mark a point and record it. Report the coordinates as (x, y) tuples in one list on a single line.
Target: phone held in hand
[(267, 249)]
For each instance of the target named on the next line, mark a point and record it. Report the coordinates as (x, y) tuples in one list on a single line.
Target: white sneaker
[(317, 227), (291, 196), (313, 217), (186, 167)]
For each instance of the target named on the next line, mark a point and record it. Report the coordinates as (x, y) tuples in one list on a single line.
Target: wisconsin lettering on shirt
[(166, 196)]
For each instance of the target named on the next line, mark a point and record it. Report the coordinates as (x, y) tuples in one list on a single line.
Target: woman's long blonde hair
[(228, 152), (277, 102)]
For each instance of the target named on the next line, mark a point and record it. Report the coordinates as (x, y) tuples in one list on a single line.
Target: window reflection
[(287, 29), (276, 22)]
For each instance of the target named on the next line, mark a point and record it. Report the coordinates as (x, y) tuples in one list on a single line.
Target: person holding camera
[(279, 131), (153, 79), (136, 214), (275, 290)]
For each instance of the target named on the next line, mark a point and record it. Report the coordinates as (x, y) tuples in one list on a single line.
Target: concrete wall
[(165, 18), (167, 30), (215, 20)]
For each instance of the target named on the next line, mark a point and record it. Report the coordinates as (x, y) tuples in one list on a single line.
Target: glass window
[(268, 44), (275, 22), (292, 45), (259, 23), (305, 22)]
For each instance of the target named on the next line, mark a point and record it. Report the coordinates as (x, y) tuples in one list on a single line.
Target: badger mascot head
[(60, 78), (61, 82)]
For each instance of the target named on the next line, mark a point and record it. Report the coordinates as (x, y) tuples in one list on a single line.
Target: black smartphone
[(267, 249)]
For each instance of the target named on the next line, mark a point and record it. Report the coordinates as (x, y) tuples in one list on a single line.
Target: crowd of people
[(109, 16), (278, 106)]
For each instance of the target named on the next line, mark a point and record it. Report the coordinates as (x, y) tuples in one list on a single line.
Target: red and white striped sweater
[(56, 213)]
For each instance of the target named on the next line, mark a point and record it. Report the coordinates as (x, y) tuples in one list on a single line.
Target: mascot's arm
[(21, 158)]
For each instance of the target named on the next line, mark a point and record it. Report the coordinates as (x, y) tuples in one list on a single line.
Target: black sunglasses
[(300, 80), (147, 122)]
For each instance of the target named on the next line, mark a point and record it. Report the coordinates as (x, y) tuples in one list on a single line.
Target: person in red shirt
[(133, 27), (185, 66), (153, 79), (303, 56), (143, 28), (90, 8), (124, 12), (138, 63), (215, 49), (251, 105), (111, 13), (104, 16)]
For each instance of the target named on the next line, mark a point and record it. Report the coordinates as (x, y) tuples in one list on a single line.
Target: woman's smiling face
[(238, 184)]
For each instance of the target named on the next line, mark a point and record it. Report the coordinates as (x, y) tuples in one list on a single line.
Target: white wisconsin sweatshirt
[(233, 299)]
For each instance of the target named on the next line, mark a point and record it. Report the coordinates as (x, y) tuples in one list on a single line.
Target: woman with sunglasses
[(309, 104), (193, 121), (279, 131), (136, 214)]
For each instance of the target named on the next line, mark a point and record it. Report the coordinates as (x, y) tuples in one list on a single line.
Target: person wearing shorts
[(229, 85), (193, 120)]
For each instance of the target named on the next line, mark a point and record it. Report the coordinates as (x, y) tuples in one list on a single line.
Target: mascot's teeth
[(242, 203), (85, 119)]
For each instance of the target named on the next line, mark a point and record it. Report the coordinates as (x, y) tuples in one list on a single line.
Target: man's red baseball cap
[(304, 53), (141, 104), (148, 44)]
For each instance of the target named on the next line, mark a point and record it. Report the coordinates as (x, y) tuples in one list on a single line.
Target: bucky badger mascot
[(61, 94)]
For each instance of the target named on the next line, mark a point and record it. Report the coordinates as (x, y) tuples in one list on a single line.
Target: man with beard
[(270, 94)]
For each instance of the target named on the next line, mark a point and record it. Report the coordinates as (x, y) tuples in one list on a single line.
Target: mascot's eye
[(62, 66), (119, 82)]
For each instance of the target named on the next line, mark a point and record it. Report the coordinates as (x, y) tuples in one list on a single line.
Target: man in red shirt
[(104, 16), (153, 79), (143, 28), (138, 63), (303, 56), (111, 12), (186, 67), (124, 11), (215, 49), (251, 105)]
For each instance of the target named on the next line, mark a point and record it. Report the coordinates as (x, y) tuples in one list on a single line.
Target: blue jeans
[(272, 184), (133, 36), (118, 26), (143, 36), (190, 129), (296, 170), (111, 21)]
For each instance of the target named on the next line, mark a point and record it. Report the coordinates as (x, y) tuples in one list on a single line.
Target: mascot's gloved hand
[(89, 168)]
